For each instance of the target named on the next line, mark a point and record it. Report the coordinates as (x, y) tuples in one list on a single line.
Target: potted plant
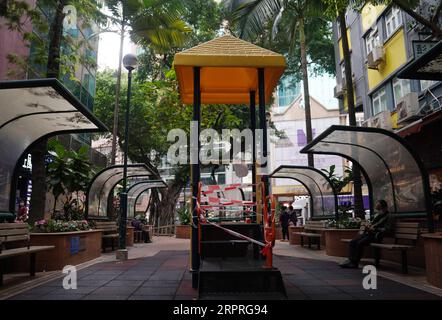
[(182, 231)]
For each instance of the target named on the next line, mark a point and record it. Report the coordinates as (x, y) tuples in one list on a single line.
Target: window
[(425, 84), (393, 21), (338, 29), (379, 100), (372, 40), (343, 72), (400, 88)]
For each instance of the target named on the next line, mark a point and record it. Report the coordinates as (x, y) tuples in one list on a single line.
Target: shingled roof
[(228, 70)]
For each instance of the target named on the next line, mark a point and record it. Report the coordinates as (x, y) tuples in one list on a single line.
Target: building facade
[(383, 41)]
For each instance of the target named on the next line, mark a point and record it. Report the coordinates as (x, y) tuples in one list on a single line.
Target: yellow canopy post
[(228, 70)]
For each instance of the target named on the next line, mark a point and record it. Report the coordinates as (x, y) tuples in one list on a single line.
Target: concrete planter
[(433, 258), (71, 248), (295, 239), (335, 247), (182, 231)]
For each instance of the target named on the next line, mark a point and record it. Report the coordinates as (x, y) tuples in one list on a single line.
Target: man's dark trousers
[(356, 248), (285, 232)]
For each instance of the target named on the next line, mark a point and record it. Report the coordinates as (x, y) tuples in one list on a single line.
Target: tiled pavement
[(165, 276)]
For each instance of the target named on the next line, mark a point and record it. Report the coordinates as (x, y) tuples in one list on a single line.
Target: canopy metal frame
[(398, 141), (52, 109), (285, 175), (137, 189), (111, 176)]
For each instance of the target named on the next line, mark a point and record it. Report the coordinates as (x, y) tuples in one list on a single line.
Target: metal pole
[(263, 125), (253, 128), (195, 178), (123, 194)]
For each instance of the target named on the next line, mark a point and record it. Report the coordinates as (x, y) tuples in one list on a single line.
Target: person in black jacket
[(373, 232), (284, 219)]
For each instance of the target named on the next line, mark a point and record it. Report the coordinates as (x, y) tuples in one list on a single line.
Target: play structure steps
[(215, 242), (239, 278)]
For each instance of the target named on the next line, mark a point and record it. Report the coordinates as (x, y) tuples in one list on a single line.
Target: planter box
[(129, 236), (71, 248), (433, 258), (182, 231), (295, 239), (335, 247)]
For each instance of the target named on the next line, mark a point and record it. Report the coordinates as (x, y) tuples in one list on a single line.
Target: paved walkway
[(154, 271)]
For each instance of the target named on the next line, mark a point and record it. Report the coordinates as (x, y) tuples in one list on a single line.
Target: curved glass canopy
[(136, 190), (105, 181), (322, 194), (395, 172), (32, 110)]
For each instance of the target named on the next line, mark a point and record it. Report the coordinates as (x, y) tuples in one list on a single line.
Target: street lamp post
[(130, 63)]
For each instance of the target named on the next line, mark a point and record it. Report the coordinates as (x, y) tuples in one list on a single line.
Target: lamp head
[(130, 61)]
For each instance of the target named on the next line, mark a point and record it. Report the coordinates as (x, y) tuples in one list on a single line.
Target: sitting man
[(138, 225), (373, 232)]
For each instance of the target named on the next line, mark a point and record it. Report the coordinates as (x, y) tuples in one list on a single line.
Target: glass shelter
[(136, 190), (392, 170), (32, 110), (324, 201), (105, 181)]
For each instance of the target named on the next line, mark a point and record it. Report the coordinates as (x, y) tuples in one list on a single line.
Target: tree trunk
[(38, 195), (357, 183), (117, 97), (55, 36), (432, 26), (308, 116)]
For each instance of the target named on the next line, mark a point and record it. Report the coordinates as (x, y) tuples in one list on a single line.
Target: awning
[(136, 190), (228, 70), (105, 181), (392, 170), (322, 194), (426, 67), (32, 110)]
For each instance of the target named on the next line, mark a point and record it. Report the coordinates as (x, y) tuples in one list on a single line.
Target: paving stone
[(114, 290), (159, 283), (155, 291), (140, 297), (124, 283)]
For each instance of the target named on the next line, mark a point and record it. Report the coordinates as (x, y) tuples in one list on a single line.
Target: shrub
[(48, 226)]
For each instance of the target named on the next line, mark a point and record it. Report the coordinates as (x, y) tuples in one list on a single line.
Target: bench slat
[(14, 238), (20, 251), (407, 230), (388, 246), (13, 232), (406, 236), (407, 224), (4, 226)]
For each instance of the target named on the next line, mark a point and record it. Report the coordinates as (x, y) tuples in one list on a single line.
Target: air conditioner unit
[(375, 57), (408, 108), (338, 91), (382, 120), (366, 123)]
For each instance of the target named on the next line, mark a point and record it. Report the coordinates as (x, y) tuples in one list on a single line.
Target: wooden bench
[(110, 233), (13, 232), (408, 231), (311, 229), (403, 231)]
